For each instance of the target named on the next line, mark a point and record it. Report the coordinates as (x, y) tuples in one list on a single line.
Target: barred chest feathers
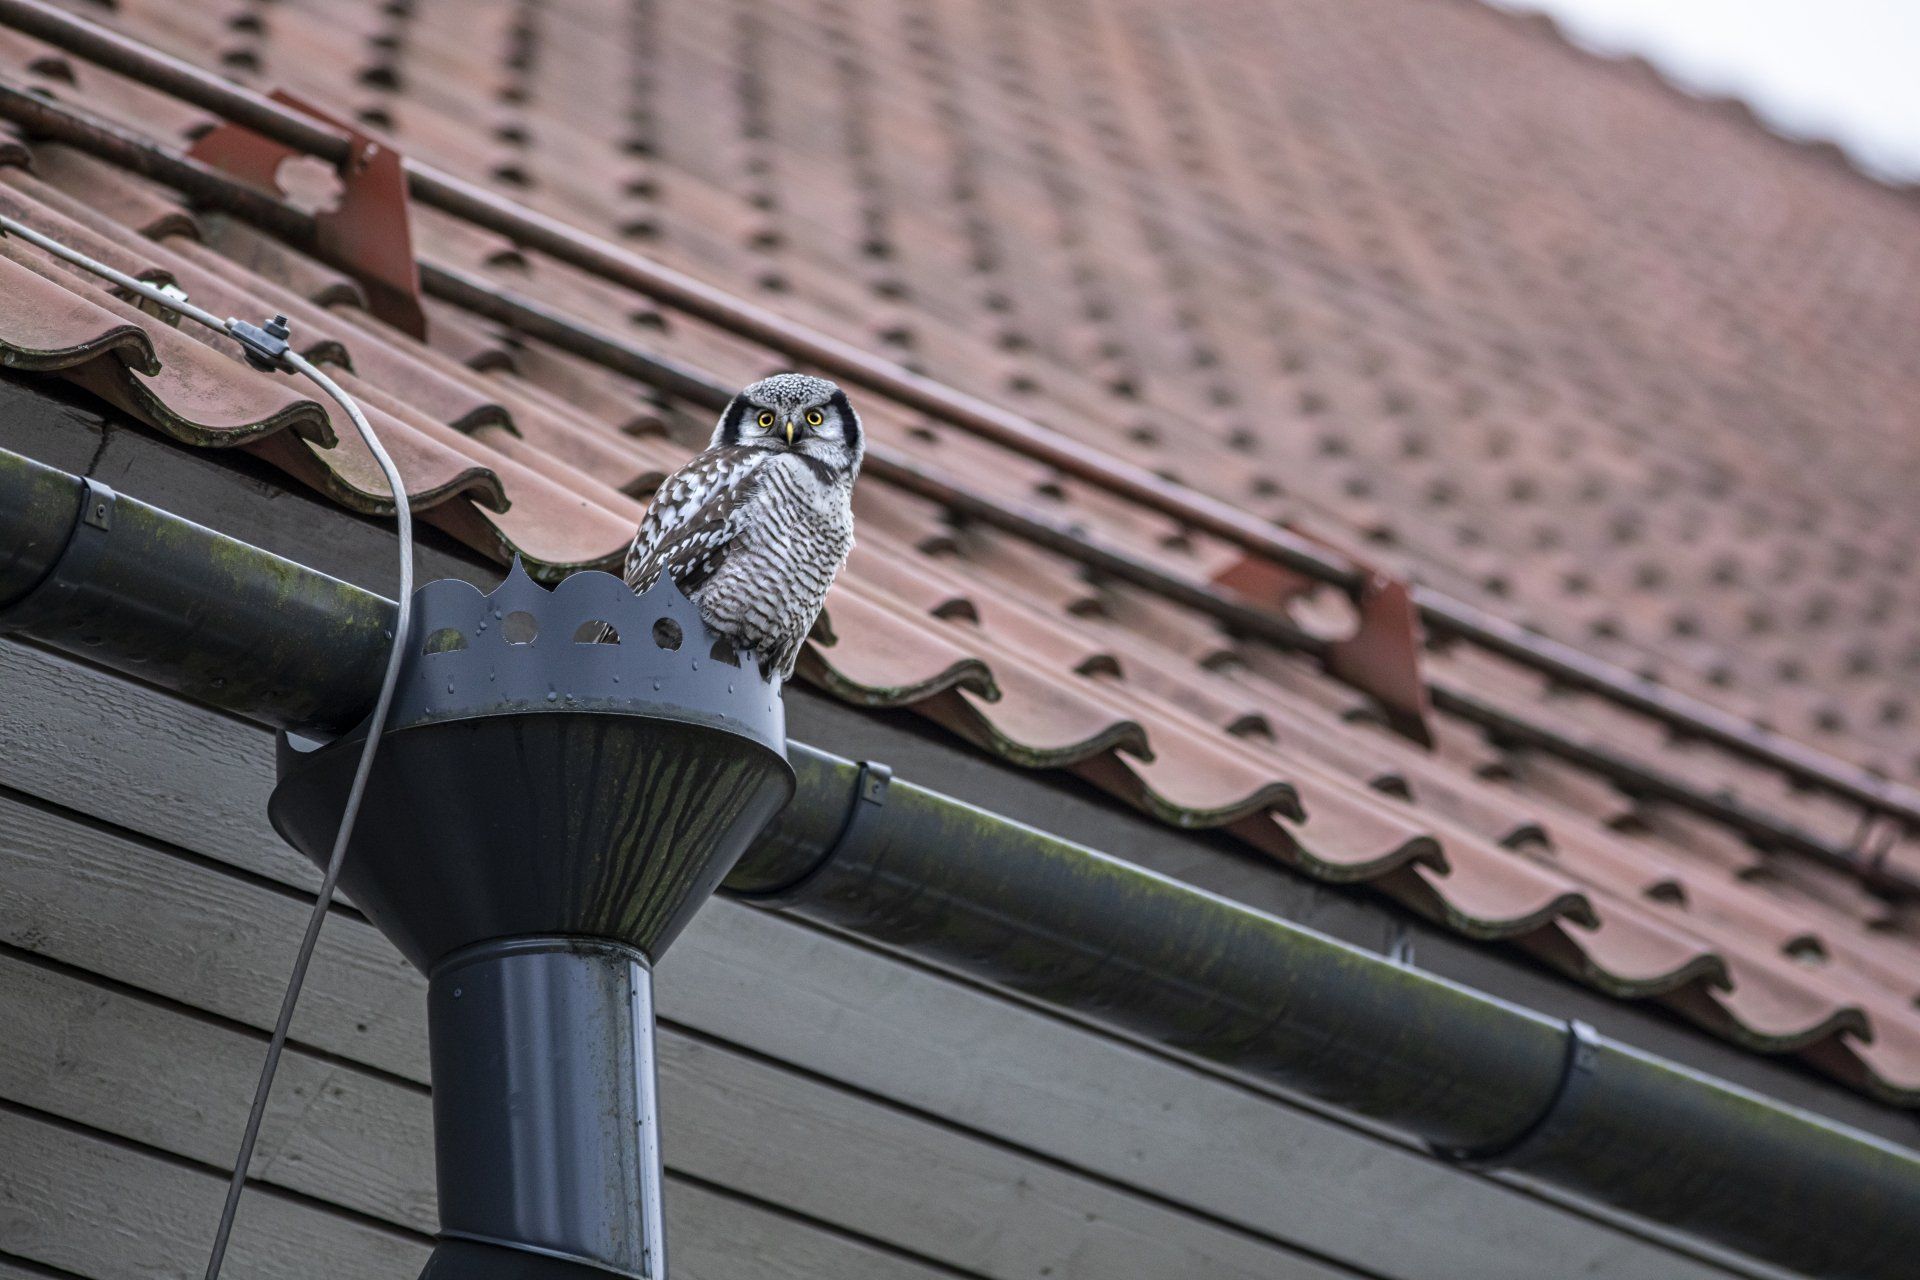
[(797, 532)]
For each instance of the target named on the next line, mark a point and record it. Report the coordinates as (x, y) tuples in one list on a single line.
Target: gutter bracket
[(1577, 1075), (868, 798), (76, 564)]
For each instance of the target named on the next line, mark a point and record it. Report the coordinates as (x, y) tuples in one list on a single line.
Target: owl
[(754, 529)]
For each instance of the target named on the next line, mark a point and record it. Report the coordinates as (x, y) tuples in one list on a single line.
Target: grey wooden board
[(118, 1064), (106, 1210), (197, 779), (110, 1211), (146, 1073)]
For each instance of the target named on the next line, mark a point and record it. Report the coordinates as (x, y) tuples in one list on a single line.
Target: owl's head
[(792, 411)]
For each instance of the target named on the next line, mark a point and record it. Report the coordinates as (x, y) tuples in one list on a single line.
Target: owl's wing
[(694, 518)]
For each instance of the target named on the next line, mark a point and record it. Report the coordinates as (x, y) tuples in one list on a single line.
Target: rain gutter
[(1483, 1082)]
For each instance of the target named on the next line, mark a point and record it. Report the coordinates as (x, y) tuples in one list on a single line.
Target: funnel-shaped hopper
[(565, 778), (534, 782)]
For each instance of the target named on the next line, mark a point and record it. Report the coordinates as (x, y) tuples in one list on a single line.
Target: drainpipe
[(1481, 1081), (549, 807)]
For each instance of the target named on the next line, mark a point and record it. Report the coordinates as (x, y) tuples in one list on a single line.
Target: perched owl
[(754, 529)]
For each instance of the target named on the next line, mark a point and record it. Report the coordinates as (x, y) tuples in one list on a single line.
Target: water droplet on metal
[(552, 696)]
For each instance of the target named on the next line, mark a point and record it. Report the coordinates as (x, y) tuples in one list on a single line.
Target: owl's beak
[(789, 431)]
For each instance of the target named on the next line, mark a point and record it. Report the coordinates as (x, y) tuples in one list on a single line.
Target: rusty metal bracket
[(1382, 656), (368, 234)]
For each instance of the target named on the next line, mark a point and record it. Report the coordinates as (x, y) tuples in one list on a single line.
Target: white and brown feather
[(754, 536), (694, 518)]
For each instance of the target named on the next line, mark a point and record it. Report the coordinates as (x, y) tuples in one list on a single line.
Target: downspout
[(548, 811), (1479, 1080)]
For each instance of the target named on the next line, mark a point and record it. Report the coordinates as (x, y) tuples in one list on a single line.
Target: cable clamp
[(167, 313), (265, 345)]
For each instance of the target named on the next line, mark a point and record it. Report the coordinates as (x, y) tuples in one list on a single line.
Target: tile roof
[(1406, 274)]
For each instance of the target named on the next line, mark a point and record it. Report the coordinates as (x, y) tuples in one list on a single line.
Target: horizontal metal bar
[(135, 60), (86, 131), (1569, 666), (130, 587), (1086, 932)]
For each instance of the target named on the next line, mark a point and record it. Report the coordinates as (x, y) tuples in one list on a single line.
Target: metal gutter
[(128, 586), (1480, 1080), (1575, 669), (548, 235)]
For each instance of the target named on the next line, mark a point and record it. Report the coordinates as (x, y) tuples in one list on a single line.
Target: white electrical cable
[(267, 345)]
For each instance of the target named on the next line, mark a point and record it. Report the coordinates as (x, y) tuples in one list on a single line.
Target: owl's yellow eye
[(814, 418), (766, 422)]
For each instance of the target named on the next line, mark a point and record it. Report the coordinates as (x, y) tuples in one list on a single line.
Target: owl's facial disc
[(793, 411)]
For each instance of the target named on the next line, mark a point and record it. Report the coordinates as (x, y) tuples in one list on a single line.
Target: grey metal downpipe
[(547, 814), (1481, 1080), (543, 1072)]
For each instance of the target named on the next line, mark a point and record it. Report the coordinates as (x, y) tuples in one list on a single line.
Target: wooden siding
[(830, 1111)]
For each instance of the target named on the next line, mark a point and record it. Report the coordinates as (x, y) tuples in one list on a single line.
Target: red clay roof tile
[(1334, 305)]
